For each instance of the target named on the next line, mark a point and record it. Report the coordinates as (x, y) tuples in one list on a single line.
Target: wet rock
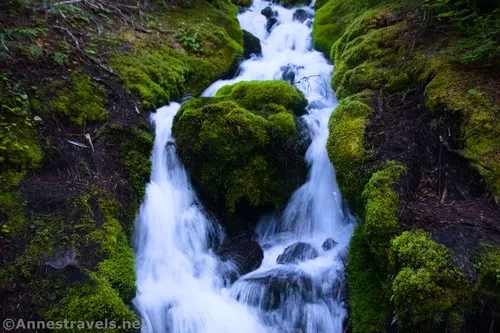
[(289, 72), (268, 12), (328, 244), (275, 287), (271, 22), (296, 253), (243, 252), (251, 45), (301, 15)]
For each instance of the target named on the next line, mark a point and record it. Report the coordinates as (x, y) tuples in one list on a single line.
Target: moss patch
[(257, 95), (82, 100), (206, 44)]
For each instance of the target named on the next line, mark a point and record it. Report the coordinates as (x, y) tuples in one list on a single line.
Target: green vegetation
[(255, 96), (239, 136), (481, 133), (158, 72), (367, 263), (375, 49), (427, 285), (136, 145), (346, 147), (82, 100)]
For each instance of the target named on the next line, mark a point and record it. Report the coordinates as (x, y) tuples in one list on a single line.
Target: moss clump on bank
[(206, 46), (427, 285), (234, 145), (346, 147), (82, 100)]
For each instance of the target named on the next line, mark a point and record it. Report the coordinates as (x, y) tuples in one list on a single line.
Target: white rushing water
[(181, 285)]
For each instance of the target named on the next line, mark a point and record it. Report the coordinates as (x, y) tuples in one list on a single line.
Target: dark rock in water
[(301, 15), (296, 253), (329, 244), (245, 253), (268, 12), (289, 73), (277, 286), (271, 22), (251, 45)]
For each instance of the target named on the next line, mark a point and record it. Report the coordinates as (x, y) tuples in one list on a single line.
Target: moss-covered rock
[(251, 45), (293, 3), (241, 147), (346, 147)]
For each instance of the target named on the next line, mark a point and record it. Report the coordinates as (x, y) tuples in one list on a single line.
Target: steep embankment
[(77, 79), (416, 143)]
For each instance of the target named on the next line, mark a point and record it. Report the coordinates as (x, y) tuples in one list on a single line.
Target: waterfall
[(181, 284)]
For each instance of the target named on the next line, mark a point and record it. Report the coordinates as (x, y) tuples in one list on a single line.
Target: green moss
[(19, 147), (82, 100), (241, 149), (136, 146), (105, 255), (255, 95), (118, 267), (367, 56), (92, 302), (367, 266), (368, 296), (427, 285), (158, 72), (480, 131), (293, 3), (19, 152), (381, 206), (346, 147)]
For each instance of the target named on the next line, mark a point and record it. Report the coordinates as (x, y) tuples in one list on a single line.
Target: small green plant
[(60, 58), (189, 40)]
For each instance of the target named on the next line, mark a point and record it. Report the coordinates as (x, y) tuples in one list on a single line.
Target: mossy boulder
[(257, 96), (293, 3), (242, 148)]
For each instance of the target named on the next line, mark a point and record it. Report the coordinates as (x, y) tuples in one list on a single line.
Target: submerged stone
[(296, 253), (328, 244), (301, 15), (271, 22)]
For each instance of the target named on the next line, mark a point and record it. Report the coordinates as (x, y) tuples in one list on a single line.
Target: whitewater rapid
[(181, 284)]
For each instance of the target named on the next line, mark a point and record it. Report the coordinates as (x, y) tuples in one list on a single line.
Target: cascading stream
[(181, 285)]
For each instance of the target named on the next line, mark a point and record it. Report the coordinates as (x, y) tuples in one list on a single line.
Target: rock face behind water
[(251, 45), (245, 253), (296, 253)]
